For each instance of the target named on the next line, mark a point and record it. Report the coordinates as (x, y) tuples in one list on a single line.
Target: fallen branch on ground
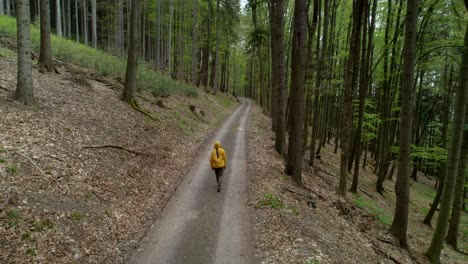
[(118, 147), (33, 163)]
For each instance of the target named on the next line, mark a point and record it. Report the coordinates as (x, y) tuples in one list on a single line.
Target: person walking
[(218, 162)]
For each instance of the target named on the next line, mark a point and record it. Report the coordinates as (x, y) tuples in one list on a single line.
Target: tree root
[(133, 102), (119, 147)]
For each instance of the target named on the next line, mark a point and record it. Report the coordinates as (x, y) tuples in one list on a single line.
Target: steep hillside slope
[(83, 175)]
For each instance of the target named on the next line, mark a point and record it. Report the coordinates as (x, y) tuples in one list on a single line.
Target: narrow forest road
[(200, 225)]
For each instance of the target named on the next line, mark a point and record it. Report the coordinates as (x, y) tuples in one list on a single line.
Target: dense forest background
[(384, 81)]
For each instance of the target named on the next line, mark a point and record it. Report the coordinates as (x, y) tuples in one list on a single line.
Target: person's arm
[(225, 158)]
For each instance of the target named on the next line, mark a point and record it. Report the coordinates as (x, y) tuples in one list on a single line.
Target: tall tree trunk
[(278, 74), (24, 86), (445, 119), (85, 22), (2, 10), (158, 35), (452, 233), (400, 220), (69, 20), (58, 18), (294, 159), (130, 88), (77, 23), (363, 89), (45, 54), (215, 69), (169, 43), (8, 7), (94, 22), (350, 83), (194, 43), (433, 253), (311, 27)]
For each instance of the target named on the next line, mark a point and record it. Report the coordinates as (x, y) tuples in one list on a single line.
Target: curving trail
[(200, 225)]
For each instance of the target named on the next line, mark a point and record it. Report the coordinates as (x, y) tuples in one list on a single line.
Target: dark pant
[(219, 174)]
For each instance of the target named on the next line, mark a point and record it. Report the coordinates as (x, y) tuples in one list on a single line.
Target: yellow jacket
[(218, 157)]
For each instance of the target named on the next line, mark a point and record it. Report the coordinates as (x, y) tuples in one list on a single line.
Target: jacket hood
[(217, 144)]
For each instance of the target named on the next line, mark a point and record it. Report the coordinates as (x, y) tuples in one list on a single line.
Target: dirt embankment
[(82, 175), (315, 225)]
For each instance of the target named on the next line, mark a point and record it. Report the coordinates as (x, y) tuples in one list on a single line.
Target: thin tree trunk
[(433, 253), (24, 87), (77, 24), (169, 43), (45, 54), (58, 18), (2, 10), (294, 159), (130, 87), (350, 83), (194, 43), (94, 22), (400, 220), (452, 233)]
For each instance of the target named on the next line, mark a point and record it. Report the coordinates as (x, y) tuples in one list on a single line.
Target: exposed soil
[(315, 225), (82, 174)]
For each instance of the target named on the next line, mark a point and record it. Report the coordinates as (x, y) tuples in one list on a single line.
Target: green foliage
[(5, 52), (272, 200), (294, 210), (31, 251), (12, 169), (371, 207), (42, 225), (102, 62), (12, 218), (78, 216), (2, 160), (312, 260)]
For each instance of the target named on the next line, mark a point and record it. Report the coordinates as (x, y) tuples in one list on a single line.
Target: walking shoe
[(219, 188)]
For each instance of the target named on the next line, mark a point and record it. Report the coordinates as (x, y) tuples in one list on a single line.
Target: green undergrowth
[(100, 61), (373, 208)]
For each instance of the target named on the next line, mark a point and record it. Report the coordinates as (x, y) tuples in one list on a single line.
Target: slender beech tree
[(24, 85), (194, 43), (216, 62), (94, 23), (433, 253), (278, 73), (45, 55), (58, 18), (296, 115), (452, 233), (77, 24), (349, 83), (2, 10), (400, 220), (129, 92)]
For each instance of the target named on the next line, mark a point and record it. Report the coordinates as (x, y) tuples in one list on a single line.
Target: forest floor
[(82, 174), (315, 225)]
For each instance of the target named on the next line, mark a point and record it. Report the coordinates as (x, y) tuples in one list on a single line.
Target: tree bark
[(45, 54), (294, 159), (85, 22), (400, 220), (194, 43), (94, 22), (58, 18), (433, 253), (24, 86), (77, 24), (129, 92), (350, 83)]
